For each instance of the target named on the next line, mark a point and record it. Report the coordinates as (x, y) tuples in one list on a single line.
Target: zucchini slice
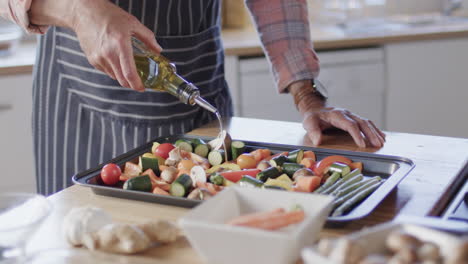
[(296, 156), (200, 147), (184, 145), (181, 186), (139, 183), (341, 168), (237, 148), (278, 161), (270, 173), (149, 163), (216, 157), (291, 168)]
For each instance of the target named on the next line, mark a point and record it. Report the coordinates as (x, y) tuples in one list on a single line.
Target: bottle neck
[(187, 93)]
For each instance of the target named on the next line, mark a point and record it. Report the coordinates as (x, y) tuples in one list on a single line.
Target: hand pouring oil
[(158, 73)]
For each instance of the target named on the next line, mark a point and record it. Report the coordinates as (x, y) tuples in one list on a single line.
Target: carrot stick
[(307, 183), (281, 220), (254, 218)]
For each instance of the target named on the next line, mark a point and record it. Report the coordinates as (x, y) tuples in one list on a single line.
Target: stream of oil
[(220, 135)]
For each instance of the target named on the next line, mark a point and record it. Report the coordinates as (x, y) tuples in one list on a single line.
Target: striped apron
[(82, 117)]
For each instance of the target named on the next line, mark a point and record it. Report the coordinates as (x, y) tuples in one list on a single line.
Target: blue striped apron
[(82, 117)]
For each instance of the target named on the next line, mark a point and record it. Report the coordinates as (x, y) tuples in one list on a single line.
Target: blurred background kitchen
[(401, 63)]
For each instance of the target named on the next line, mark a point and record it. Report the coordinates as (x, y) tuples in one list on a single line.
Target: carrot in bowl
[(271, 220)]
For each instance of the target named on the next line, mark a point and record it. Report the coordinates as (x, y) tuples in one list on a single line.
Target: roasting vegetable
[(200, 147), (329, 182), (237, 148), (354, 198), (169, 174), (246, 161), (217, 179), (139, 183), (263, 165), (272, 173), (302, 172), (322, 166), (296, 156), (291, 168), (181, 186), (278, 161), (339, 167), (184, 145), (307, 183), (235, 176), (216, 157), (249, 181), (280, 183), (198, 174)]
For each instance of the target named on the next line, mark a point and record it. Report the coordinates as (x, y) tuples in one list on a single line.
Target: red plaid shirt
[(283, 27)]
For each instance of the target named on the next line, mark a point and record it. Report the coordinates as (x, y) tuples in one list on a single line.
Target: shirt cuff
[(294, 65), (17, 12)]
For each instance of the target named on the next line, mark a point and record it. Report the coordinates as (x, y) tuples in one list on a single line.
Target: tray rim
[(362, 210)]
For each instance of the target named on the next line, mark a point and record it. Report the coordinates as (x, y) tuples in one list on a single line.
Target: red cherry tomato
[(110, 174), (163, 150)]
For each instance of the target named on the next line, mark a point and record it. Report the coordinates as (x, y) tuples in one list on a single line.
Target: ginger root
[(93, 228)]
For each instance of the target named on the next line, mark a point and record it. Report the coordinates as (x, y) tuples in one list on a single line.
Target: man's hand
[(318, 117), (104, 31)]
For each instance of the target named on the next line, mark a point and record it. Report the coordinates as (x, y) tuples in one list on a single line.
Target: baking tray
[(391, 168)]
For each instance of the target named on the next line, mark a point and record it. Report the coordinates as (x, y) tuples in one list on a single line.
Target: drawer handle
[(4, 107)]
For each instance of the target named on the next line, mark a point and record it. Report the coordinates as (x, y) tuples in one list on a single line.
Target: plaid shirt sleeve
[(17, 12), (283, 27)]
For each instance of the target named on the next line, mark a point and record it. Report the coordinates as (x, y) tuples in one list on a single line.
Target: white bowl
[(217, 242), (374, 240)]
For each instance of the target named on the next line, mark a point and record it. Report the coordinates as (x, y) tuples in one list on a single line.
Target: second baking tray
[(391, 168)]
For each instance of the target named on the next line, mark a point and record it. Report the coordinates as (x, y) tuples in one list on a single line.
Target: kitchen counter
[(245, 42), (437, 161)]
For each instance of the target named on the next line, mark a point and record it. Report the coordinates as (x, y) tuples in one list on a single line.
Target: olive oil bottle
[(158, 73)]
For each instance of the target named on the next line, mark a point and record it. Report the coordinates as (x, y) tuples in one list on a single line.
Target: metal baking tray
[(391, 168)]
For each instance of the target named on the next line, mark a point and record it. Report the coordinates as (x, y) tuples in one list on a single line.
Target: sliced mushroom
[(198, 174), (169, 174)]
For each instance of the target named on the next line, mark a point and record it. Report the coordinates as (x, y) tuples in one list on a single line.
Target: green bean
[(355, 199), (357, 188), (341, 181), (349, 182), (329, 182)]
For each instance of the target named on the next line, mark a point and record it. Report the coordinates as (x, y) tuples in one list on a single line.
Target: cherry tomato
[(110, 174), (163, 150), (246, 161)]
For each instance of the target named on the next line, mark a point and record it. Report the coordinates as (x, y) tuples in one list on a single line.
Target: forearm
[(35, 16), (53, 12), (284, 31)]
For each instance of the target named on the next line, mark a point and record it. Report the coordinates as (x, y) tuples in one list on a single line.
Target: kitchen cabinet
[(16, 147), (428, 87), (354, 79)]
